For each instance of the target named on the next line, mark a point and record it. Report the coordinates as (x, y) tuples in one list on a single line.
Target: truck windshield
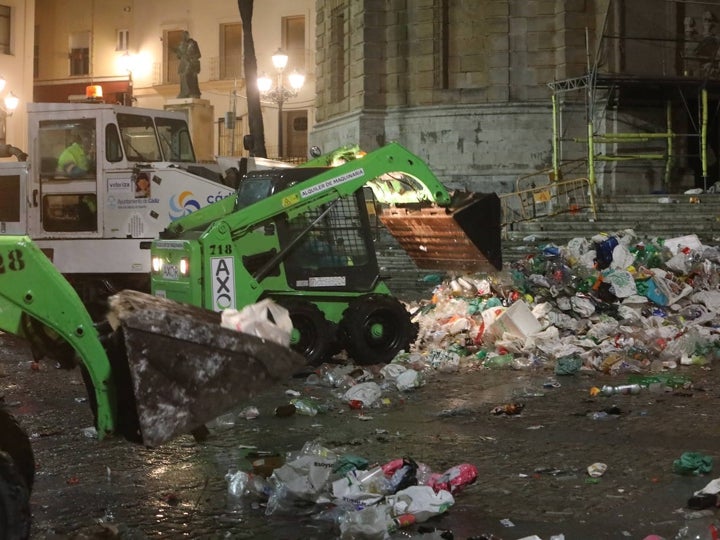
[(175, 140), (139, 138)]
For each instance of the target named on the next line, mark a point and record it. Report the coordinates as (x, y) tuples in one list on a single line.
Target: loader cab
[(329, 247), (334, 249)]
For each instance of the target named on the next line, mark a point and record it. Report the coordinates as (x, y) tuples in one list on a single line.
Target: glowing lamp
[(93, 91)]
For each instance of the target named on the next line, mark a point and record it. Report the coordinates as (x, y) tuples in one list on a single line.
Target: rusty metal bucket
[(463, 237)]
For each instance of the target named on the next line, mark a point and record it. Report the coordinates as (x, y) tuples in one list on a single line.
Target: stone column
[(201, 117)]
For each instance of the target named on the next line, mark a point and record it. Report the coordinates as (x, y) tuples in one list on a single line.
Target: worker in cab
[(74, 160)]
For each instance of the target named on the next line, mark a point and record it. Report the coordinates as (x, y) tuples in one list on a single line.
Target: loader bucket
[(182, 368), (463, 237)]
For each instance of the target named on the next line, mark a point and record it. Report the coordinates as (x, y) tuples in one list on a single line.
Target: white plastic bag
[(265, 319), (420, 501), (622, 283), (370, 523), (367, 392), (307, 477)]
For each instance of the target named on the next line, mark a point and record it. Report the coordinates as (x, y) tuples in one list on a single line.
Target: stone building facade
[(469, 86), (463, 84)]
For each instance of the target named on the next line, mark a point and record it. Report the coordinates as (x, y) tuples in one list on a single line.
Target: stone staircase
[(650, 216)]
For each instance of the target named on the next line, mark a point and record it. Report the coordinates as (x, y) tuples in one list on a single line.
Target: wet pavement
[(532, 467)]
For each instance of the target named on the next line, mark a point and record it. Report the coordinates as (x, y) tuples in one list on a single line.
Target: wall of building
[(462, 84), (148, 22), (17, 69)]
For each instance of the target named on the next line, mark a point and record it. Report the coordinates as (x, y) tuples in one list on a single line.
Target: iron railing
[(574, 196)]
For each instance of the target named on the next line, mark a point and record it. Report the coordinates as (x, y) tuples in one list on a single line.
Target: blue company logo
[(182, 205)]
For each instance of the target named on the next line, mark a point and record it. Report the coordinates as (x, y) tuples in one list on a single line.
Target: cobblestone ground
[(532, 467)]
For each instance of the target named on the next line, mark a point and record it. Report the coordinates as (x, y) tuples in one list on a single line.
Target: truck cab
[(94, 222)]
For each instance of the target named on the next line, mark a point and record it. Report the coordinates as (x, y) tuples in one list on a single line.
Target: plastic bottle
[(304, 406), (608, 390), (670, 380), (237, 482), (398, 522), (498, 360)]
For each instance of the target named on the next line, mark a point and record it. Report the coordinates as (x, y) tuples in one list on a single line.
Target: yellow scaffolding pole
[(670, 149), (703, 136), (556, 139)]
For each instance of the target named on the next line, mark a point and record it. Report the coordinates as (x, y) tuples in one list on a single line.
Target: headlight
[(157, 264), (184, 267)]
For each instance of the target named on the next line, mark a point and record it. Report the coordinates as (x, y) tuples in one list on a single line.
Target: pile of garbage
[(612, 303), (356, 499)]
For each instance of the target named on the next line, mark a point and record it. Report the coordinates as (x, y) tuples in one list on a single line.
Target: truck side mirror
[(248, 142)]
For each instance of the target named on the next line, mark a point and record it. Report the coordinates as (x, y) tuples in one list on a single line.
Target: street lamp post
[(281, 93)]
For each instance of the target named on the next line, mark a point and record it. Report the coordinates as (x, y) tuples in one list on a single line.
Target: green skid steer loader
[(154, 370), (304, 237)]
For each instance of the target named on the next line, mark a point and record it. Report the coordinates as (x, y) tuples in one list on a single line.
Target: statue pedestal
[(200, 114)]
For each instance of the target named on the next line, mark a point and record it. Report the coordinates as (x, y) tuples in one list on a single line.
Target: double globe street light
[(280, 93)]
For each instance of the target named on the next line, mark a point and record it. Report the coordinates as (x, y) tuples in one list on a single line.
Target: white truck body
[(98, 225)]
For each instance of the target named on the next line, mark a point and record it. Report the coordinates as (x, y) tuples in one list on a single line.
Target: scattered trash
[(249, 413), (364, 503), (596, 470), (264, 319), (613, 304), (265, 466), (366, 392), (508, 409), (305, 406), (699, 530), (285, 410), (693, 463), (454, 479), (608, 390)]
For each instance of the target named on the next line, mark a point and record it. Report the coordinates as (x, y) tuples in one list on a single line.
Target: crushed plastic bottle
[(624, 389), (237, 483)]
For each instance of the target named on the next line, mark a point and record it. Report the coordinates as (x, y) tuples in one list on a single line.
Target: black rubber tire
[(15, 516), (317, 336), (361, 320), (15, 442)]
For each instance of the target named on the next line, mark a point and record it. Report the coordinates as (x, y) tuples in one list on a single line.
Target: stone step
[(644, 214), (647, 217)]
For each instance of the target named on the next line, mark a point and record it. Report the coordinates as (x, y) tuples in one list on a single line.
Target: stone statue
[(188, 52)]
